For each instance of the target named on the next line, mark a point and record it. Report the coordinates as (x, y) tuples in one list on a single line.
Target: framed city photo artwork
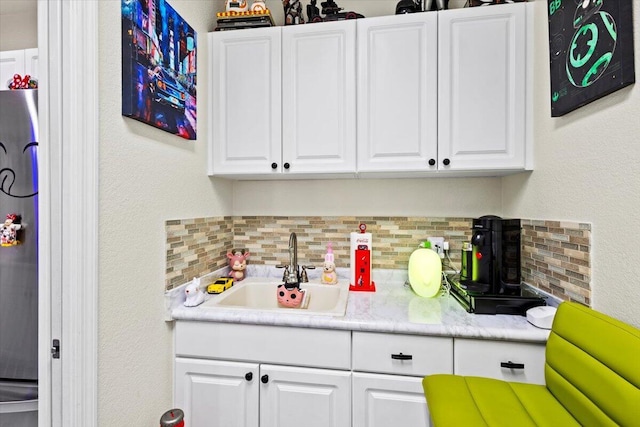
[(158, 67), (590, 50)]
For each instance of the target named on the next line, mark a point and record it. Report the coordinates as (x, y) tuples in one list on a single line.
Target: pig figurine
[(237, 263), (193, 293), (291, 298)]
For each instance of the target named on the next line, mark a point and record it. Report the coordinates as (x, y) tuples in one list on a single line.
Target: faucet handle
[(303, 275), (286, 272)]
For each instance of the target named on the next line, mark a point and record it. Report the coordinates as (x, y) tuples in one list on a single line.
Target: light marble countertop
[(392, 308)]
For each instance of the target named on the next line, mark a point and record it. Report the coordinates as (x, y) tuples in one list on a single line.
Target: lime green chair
[(592, 375)]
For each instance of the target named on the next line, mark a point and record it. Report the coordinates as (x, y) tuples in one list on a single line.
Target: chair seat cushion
[(474, 401)]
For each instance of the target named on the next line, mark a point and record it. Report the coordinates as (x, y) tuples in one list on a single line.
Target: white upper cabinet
[(482, 91), (11, 62), (397, 93), (22, 61), (395, 96), (245, 111), (31, 62), (319, 98), (283, 101)]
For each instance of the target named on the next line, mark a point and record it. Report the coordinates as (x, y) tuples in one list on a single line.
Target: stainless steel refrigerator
[(18, 258)]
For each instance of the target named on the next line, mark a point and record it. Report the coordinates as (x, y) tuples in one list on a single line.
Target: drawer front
[(265, 344), (509, 361), (402, 354)]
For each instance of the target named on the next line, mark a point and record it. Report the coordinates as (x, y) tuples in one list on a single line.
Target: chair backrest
[(593, 366)]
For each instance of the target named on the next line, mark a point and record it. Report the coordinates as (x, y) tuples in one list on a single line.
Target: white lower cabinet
[(274, 376), (388, 400), (225, 393), (268, 376), (294, 397), (217, 393)]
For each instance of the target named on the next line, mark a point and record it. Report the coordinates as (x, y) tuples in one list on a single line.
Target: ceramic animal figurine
[(238, 263), (9, 230), (193, 293), (329, 275), (291, 298)]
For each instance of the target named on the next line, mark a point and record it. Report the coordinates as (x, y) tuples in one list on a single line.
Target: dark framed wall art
[(159, 67), (590, 51)]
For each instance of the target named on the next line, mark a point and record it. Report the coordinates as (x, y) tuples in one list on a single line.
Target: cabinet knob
[(432, 162), (264, 379), (287, 165), (274, 165), (248, 376), (446, 162)]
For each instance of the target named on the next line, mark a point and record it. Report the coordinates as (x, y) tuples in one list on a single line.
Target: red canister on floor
[(172, 418)]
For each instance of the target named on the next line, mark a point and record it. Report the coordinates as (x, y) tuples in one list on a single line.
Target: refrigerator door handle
[(55, 349)]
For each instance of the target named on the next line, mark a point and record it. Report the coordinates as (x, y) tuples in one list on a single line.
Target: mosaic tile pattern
[(556, 258), (394, 238), (196, 247), (555, 255)]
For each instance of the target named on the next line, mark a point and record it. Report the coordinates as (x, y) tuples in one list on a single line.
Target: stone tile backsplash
[(556, 258), (196, 247), (555, 255)]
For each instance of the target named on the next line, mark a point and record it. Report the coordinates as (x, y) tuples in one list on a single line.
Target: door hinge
[(55, 349)]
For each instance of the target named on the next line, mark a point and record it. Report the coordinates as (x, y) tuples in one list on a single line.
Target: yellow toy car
[(220, 285)]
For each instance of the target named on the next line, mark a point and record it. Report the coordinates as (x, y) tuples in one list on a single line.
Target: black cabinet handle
[(402, 356), (432, 162), (264, 379), (248, 376), (287, 165), (511, 365), (446, 162), (274, 165)]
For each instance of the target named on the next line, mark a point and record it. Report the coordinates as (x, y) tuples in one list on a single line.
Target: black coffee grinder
[(490, 277)]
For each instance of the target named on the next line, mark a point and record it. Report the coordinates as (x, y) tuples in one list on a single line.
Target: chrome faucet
[(292, 275)]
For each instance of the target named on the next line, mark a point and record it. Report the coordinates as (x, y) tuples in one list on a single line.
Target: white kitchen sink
[(256, 294)]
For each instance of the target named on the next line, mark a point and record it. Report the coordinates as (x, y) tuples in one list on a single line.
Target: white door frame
[(68, 211)]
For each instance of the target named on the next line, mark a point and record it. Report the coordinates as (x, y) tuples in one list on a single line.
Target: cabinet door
[(213, 393), (31, 62), (388, 400), (397, 93), (319, 96), (11, 62), (294, 397), (245, 101), (508, 361), (482, 88)]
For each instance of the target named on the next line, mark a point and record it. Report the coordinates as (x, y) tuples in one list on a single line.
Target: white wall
[(587, 170), (435, 197), (146, 177), (18, 24)]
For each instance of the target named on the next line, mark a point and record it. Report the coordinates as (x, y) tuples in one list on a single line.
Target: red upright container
[(172, 418)]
